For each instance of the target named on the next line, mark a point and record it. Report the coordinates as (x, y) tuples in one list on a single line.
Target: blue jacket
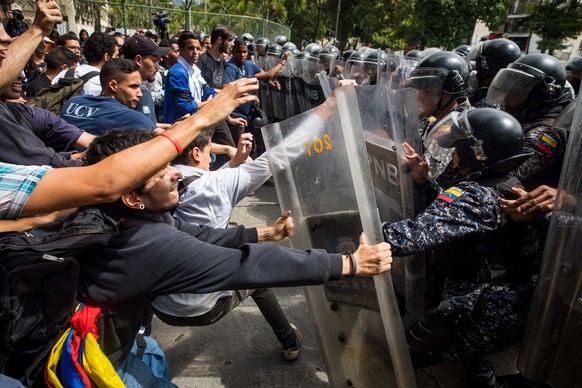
[(179, 98)]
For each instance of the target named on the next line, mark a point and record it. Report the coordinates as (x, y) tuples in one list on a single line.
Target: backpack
[(39, 276), (53, 98)]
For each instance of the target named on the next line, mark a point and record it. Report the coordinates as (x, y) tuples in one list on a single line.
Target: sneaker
[(291, 354)]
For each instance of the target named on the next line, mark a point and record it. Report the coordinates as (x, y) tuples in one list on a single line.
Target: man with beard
[(212, 63)]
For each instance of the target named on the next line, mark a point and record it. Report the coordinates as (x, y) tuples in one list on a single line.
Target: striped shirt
[(16, 185)]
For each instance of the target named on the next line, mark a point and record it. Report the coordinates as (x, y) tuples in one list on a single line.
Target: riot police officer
[(441, 81), (490, 57), (533, 89), (487, 261), (574, 73)]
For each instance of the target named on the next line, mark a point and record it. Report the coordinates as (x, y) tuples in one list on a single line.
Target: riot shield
[(322, 175), (551, 344), (390, 117), (276, 93), (299, 85), (264, 89), (288, 87), (312, 87)]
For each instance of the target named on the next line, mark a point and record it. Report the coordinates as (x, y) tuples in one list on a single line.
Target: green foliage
[(450, 23), (555, 21)]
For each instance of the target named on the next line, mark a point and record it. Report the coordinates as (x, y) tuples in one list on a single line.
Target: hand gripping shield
[(550, 349), (322, 175)]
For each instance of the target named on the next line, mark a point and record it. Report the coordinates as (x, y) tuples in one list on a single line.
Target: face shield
[(310, 68), (327, 62), (441, 141), (357, 73), (428, 84), (511, 86)]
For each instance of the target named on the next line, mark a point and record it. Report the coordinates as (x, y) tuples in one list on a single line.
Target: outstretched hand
[(539, 200), (418, 166), (245, 145), (232, 96), (372, 259), (283, 227)]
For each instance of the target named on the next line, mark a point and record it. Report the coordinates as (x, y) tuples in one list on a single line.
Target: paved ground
[(240, 351)]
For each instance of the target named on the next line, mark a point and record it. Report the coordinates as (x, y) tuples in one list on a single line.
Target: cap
[(142, 45)]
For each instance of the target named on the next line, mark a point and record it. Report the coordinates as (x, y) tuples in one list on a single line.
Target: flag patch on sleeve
[(547, 145), (451, 195)]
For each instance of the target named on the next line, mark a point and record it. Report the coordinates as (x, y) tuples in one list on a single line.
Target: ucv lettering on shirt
[(77, 110)]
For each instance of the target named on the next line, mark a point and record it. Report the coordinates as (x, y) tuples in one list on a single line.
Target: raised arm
[(105, 181)]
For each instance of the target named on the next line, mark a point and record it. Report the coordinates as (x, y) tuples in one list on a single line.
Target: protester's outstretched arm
[(47, 15), (105, 181)]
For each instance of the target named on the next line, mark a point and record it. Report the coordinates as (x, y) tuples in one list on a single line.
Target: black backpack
[(39, 275), (54, 97)]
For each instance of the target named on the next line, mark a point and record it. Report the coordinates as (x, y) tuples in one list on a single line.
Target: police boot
[(481, 374)]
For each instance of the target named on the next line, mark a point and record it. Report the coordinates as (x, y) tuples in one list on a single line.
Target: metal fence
[(131, 15)]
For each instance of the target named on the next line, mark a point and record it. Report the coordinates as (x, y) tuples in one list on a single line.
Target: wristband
[(354, 267), (174, 141)]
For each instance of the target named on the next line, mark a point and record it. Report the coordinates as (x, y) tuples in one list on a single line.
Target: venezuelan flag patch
[(546, 145), (451, 195)]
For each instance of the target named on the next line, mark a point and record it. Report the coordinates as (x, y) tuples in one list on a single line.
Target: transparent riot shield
[(389, 118), (288, 87), (550, 348), (276, 93), (322, 175), (264, 89), (299, 85), (312, 87)]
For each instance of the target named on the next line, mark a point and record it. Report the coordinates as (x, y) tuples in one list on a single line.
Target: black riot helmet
[(485, 139), (289, 46), (575, 64), (281, 40), (262, 45), (331, 52), (275, 51), (414, 55), (313, 47), (463, 50), (346, 54), (539, 77), (442, 68), (494, 55)]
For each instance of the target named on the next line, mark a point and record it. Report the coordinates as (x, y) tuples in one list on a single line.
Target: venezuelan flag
[(450, 195), (547, 144)]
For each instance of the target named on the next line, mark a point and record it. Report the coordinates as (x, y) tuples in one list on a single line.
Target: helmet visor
[(511, 87), (357, 73), (427, 78), (440, 142)]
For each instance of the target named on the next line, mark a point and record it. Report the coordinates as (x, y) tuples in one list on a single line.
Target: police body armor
[(510, 254), (550, 350)]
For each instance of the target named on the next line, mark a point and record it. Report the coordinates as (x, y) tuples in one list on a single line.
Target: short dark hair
[(62, 40), (186, 36), (114, 141), (168, 42), (239, 42), (201, 141), (99, 44), (59, 56), (117, 69), (220, 31)]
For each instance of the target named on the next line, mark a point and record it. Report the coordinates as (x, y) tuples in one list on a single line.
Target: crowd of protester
[(188, 104)]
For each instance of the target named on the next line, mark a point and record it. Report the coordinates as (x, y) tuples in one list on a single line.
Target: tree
[(555, 21), (450, 23)]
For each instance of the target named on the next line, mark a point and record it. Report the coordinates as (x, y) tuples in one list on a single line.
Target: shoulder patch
[(546, 144), (451, 195)]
